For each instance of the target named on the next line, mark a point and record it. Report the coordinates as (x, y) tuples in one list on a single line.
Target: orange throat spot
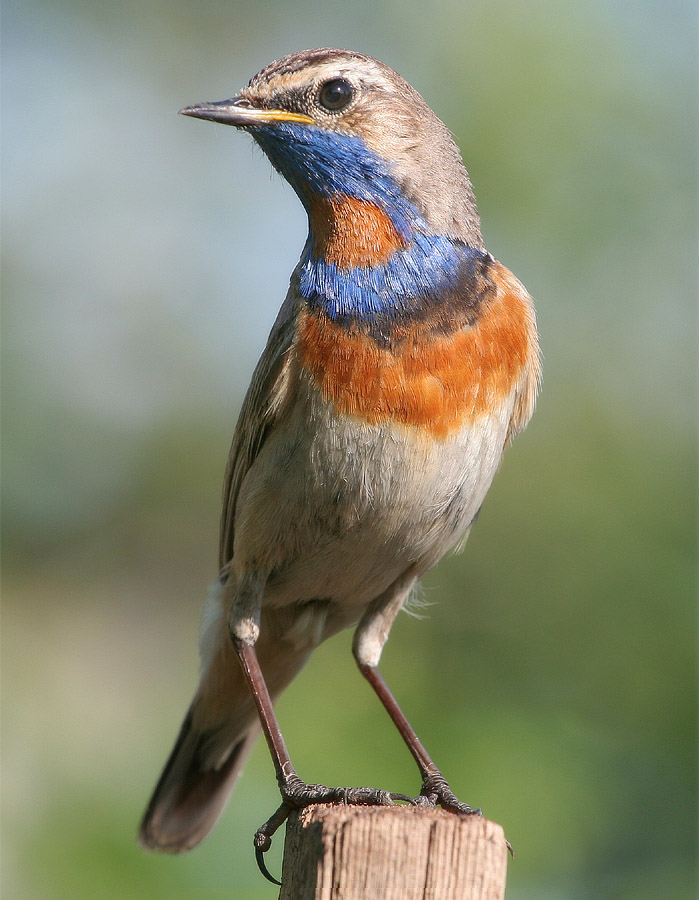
[(351, 233)]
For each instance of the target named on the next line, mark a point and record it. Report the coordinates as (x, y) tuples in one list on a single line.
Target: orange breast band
[(431, 381)]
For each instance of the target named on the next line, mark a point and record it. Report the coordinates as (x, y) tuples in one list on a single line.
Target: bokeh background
[(144, 258)]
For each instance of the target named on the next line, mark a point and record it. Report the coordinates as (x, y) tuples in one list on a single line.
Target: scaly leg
[(244, 626), (369, 639)]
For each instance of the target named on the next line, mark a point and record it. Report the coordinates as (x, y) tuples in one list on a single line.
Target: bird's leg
[(435, 788), (295, 792), (369, 639), (244, 626)]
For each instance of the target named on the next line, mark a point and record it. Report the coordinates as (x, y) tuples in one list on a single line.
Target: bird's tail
[(217, 734), (192, 791)]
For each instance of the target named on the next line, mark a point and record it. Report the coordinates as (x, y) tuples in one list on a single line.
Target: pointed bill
[(239, 112)]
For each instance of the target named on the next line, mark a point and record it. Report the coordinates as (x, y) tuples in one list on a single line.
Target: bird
[(403, 361)]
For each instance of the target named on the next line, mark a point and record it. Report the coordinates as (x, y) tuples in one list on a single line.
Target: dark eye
[(336, 94)]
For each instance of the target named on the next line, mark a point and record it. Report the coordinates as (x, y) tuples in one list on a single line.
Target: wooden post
[(392, 853)]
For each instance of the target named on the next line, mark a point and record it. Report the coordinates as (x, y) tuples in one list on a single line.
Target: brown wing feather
[(267, 396)]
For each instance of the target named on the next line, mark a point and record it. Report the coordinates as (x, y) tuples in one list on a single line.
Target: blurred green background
[(145, 256)]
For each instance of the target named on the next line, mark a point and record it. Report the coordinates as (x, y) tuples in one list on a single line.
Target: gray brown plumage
[(402, 362)]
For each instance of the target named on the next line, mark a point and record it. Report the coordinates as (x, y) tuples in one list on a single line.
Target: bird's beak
[(240, 112)]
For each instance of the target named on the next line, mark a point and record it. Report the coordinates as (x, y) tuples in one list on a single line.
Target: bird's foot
[(297, 794), (436, 792)]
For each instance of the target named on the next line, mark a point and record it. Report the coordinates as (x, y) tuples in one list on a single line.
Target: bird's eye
[(336, 94)]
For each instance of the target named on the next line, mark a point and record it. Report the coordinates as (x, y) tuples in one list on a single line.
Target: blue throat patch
[(315, 161)]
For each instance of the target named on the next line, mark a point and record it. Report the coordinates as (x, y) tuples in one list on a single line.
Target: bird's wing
[(266, 398), (518, 300)]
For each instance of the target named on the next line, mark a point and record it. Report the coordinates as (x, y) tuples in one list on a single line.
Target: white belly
[(336, 509)]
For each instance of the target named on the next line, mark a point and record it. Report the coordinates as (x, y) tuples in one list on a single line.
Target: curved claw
[(263, 839), (260, 859), (402, 798)]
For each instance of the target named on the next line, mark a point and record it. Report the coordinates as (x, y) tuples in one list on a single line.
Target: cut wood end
[(392, 853)]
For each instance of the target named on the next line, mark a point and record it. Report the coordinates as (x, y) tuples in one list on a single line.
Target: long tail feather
[(190, 795)]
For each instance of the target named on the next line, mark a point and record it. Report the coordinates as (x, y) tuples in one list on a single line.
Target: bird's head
[(344, 128)]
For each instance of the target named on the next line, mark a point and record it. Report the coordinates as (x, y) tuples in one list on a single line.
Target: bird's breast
[(435, 372)]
